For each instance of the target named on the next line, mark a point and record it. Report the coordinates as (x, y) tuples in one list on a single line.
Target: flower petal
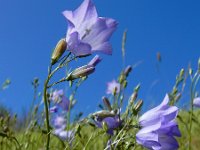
[(168, 142), (77, 47)]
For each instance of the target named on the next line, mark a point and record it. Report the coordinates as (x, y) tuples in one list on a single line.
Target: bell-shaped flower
[(159, 128), (111, 122), (88, 33)]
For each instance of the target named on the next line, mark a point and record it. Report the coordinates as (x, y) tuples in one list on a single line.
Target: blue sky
[(29, 30)]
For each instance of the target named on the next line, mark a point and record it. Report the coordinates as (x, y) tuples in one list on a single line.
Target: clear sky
[(29, 30)]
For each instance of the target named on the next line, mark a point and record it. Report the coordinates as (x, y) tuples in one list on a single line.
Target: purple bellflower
[(112, 87), (111, 122), (88, 33), (57, 95), (61, 100), (64, 135), (59, 123), (158, 127), (196, 102)]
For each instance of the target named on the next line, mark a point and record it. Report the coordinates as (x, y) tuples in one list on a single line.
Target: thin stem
[(46, 107), (70, 104), (62, 64), (192, 90), (61, 80), (68, 114)]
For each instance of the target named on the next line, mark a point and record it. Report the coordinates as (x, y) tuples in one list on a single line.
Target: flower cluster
[(159, 127)]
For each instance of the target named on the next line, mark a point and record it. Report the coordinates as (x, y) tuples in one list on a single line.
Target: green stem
[(61, 80), (50, 74), (68, 115), (192, 90), (46, 107), (190, 127)]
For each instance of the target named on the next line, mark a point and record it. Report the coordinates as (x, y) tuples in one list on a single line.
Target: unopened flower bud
[(81, 72), (199, 65), (121, 78), (104, 114), (138, 106), (175, 90), (190, 71), (95, 61), (133, 97), (58, 51), (107, 103), (127, 70), (137, 88), (125, 84), (181, 73), (178, 96)]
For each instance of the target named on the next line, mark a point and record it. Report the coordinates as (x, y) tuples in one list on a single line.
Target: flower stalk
[(46, 107)]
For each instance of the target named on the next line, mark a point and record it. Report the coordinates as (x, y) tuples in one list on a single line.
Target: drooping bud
[(58, 51), (81, 72), (127, 70), (95, 61), (107, 103)]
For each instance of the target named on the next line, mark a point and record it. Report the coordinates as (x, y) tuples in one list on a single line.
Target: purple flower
[(64, 104), (59, 98), (111, 122), (196, 102), (112, 87), (53, 109), (57, 95), (95, 61), (64, 135), (88, 33), (59, 122), (159, 127)]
